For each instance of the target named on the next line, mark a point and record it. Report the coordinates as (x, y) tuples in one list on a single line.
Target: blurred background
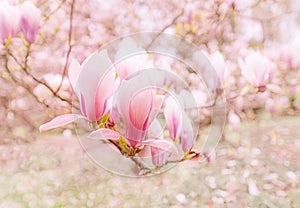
[(254, 47)]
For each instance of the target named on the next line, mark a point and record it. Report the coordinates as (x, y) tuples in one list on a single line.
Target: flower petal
[(73, 73), (187, 137), (93, 71), (105, 90), (103, 133), (60, 121), (161, 144), (173, 117), (139, 109), (155, 130), (158, 156), (157, 103)]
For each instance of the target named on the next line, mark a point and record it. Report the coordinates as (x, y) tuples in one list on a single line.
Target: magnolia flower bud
[(9, 20), (30, 20), (256, 69)]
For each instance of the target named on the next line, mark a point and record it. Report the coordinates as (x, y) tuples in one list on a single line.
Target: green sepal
[(186, 155), (103, 120), (156, 170), (8, 41), (123, 145)]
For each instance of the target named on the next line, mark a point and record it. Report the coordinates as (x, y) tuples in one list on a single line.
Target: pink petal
[(173, 117), (247, 73), (157, 103), (134, 136), (187, 137), (30, 20), (82, 105), (128, 66), (131, 65), (158, 156), (105, 90), (60, 121), (114, 113), (219, 65), (102, 134), (155, 130), (134, 107), (234, 120), (139, 109), (161, 144), (93, 71), (8, 25), (73, 73)]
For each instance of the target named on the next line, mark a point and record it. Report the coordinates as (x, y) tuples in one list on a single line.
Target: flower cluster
[(253, 49), (107, 98)]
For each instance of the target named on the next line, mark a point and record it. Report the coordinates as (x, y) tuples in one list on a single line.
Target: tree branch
[(69, 45), (27, 70)]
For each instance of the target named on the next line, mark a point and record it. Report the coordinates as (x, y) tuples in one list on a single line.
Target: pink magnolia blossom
[(219, 65), (93, 85), (234, 120), (9, 20), (30, 20), (132, 64), (190, 11), (137, 112), (256, 69)]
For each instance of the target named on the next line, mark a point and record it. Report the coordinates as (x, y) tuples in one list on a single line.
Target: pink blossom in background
[(270, 106), (256, 68), (219, 65), (9, 20), (127, 67), (234, 120), (133, 64), (30, 20)]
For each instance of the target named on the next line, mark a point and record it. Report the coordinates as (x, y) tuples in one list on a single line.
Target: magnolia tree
[(125, 95)]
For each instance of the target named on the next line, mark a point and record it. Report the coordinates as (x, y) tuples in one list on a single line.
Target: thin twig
[(18, 82), (69, 44), (27, 70), (174, 20), (52, 12), (144, 170)]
